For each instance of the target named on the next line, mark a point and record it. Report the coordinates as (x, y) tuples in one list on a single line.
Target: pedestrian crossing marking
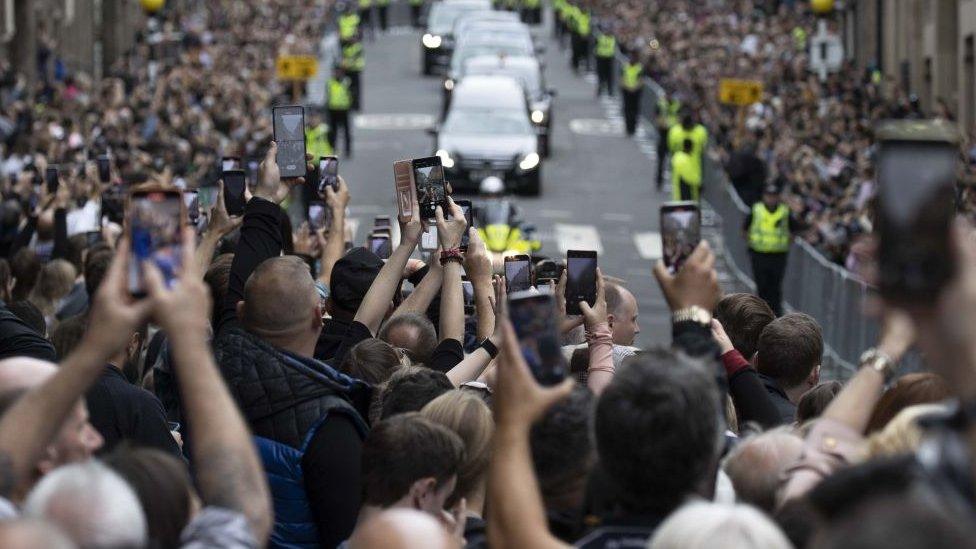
[(648, 245), (577, 237), (596, 126), (394, 121)]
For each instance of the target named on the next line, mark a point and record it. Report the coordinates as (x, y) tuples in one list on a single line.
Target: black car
[(437, 43)]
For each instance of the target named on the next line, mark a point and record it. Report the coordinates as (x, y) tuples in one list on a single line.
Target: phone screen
[(207, 197), (580, 280), (155, 222), (328, 173), (318, 213), (428, 174), (234, 192), (380, 245), (289, 134), (468, 292), (104, 171), (680, 232), (518, 273), (51, 177), (465, 206), (191, 199), (535, 321)]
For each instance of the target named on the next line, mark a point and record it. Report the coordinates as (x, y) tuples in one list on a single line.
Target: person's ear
[(317, 317), (610, 319), (49, 462), (421, 492), (814, 378)]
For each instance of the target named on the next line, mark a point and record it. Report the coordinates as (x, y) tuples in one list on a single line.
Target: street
[(597, 185)]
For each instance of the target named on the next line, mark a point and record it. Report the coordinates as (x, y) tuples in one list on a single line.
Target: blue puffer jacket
[(286, 398)]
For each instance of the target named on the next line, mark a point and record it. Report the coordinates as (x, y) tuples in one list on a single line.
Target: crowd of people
[(288, 391)]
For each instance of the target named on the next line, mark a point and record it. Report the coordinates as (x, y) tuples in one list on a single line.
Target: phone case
[(405, 189)]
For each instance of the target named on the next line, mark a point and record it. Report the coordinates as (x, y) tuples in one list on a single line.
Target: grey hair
[(92, 504), (756, 465), (703, 525)]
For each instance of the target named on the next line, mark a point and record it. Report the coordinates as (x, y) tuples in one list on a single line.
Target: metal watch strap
[(879, 362)]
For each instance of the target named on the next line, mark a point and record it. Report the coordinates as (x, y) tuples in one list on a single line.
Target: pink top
[(601, 370)]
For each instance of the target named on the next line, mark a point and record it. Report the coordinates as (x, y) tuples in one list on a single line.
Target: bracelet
[(879, 362), (489, 347), (694, 314), (454, 254)]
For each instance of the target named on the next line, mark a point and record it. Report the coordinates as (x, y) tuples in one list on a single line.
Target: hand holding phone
[(328, 174), (466, 207), (428, 176), (379, 244), (318, 215), (518, 273), (535, 320), (155, 222), (289, 134), (581, 278), (680, 232), (234, 187), (52, 180)]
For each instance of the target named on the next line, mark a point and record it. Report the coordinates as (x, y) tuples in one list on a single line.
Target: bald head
[(29, 533), (756, 466), (24, 373), (401, 529), (279, 298), (623, 312)]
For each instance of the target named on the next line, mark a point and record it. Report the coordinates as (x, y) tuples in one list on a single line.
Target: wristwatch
[(879, 362), (694, 314)]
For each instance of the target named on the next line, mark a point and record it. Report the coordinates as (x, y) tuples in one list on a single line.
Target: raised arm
[(423, 295), (599, 339), (335, 246), (220, 225), (62, 199), (477, 265), (749, 395), (229, 473), (449, 232)]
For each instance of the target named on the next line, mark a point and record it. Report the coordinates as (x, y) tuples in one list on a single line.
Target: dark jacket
[(787, 410), (19, 339)]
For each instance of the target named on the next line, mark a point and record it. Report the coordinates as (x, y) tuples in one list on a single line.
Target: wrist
[(692, 313)]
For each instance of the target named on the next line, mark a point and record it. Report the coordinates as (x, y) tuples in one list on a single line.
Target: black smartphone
[(518, 273), (104, 168), (580, 280), (328, 174), (465, 206), (680, 232), (289, 134), (191, 200), (230, 163), (113, 204), (52, 179), (547, 271), (318, 215), (155, 221), (428, 175), (468, 291), (917, 163), (379, 244), (535, 319), (234, 187), (381, 221)]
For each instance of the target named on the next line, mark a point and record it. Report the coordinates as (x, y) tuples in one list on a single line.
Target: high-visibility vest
[(699, 136), (564, 11), (685, 168), (382, 3), (606, 45), (668, 111), (799, 38), (365, 4), (677, 135), (317, 141), (630, 79), (348, 25), (416, 2), (769, 232), (582, 23), (340, 96), (532, 4), (354, 57)]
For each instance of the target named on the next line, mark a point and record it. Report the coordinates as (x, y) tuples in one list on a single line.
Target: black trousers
[(337, 119), (768, 271), (604, 74), (631, 110), (415, 14), (662, 154), (366, 20), (384, 16), (355, 83)]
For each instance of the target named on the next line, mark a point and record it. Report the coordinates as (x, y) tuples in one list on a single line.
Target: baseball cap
[(352, 276)]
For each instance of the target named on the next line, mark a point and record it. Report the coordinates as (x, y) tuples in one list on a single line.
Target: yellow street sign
[(733, 91), (296, 67)]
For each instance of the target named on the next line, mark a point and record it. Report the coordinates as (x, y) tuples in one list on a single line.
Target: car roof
[(488, 91), (516, 62)]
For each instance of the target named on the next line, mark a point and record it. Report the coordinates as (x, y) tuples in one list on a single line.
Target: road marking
[(556, 214), (617, 217), (648, 245), (596, 126), (403, 121), (577, 237)]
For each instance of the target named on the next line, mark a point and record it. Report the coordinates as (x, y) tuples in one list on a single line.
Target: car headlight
[(431, 41), (538, 116), (448, 84), (446, 159), (530, 161)]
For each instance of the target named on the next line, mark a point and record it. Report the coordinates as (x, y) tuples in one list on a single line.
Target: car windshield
[(443, 16), (487, 121)]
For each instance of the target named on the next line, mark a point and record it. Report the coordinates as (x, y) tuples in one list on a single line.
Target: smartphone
[(207, 196), (518, 273), (535, 319), (379, 244), (234, 187), (113, 204), (580, 280), (228, 163), (428, 239), (52, 180), (468, 291), (328, 174), (104, 169), (155, 221), (381, 221), (917, 164), (465, 206), (191, 200), (428, 176), (318, 214), (680, 232), (547, 271), (289, 134), (406, 191)]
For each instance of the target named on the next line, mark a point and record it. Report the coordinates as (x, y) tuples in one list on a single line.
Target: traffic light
[(822, 7)]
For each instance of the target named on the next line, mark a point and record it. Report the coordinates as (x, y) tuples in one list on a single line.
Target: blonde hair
[(467, 415), (902, 435), (54, 282), (702, 525)]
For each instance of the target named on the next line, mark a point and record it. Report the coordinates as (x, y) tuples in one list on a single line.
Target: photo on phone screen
[(518, 273), (428, 175), (230, 163), (328, 174), (580, 280), (535, 320), (52, 180), (380, 245), (191, 200), (465, 206), (680, 232), (104, 169), (207, 196), (289, 134), (318, 213), (155, 221), (468, 292), (234, 187)]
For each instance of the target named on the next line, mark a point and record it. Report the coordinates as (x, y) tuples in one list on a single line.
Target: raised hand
[(114, 312), (696, 284), (270, 185), (597, 314), (221, 223), (449, 231), (186, 307)]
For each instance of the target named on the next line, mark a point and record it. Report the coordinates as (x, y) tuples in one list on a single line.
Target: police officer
[(581, 37), (606, 49), (383, 7), (631, 86), (768, 229), (689, 128), (339, 104), (354, 62), (366, 16), (317, 137), (416, 6), (667, 118), (686, 173), (348, 21), (560, 10)]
